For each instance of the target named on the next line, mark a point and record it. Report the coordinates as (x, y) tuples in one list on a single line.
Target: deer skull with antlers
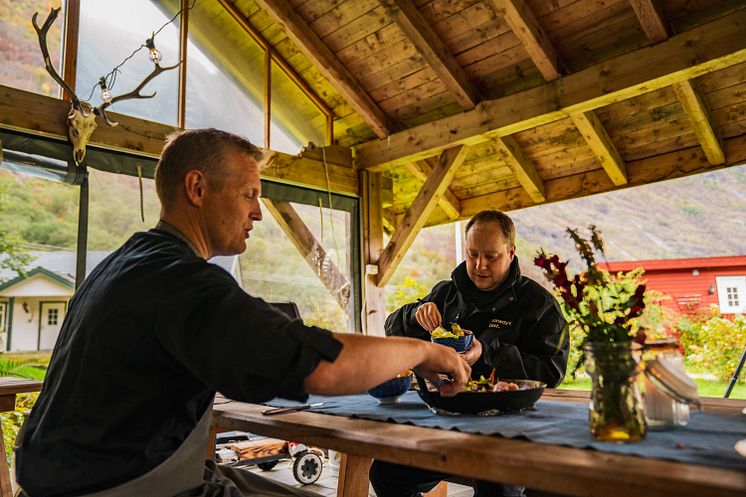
[(81, 120)]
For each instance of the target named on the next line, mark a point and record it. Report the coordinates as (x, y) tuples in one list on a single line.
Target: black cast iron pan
[(483, 402)]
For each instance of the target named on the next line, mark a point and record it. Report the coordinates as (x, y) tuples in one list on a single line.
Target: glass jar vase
[(616, 412)]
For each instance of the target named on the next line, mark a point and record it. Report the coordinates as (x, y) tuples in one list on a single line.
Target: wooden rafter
[(695, 107), (527, 29), (429, 44), (595, 135), (663, 167), (448, 202), (522, 167), (437, 182), (703, 50), (311, 250), (652, 19), (325, 61)]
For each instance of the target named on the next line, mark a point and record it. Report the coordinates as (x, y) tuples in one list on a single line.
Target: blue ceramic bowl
[(389, 392), (461, 344)]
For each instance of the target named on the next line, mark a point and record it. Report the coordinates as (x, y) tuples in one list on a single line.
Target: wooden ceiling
[(532, 101)]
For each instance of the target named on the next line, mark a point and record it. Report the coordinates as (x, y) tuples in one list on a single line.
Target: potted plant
[(604, 308)]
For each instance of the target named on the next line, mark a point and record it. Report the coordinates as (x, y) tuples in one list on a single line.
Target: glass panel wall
[(110, 31), (22, 63), (275, 269), (224, 75), (114, 210), (295, 119)]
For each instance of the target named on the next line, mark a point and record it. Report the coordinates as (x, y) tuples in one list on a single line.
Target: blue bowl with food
[(461, 344), (389, 391)]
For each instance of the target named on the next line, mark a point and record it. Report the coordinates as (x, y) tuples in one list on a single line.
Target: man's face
[(230, 211), (488, 256)]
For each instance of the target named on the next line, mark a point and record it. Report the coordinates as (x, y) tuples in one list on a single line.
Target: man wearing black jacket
[(518, 328)]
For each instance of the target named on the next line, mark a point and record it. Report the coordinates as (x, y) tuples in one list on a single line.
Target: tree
[(13, 255)]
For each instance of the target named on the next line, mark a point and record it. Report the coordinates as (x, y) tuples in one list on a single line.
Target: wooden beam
[(327, 63), (695, 107), (448, 202), (596, 137), (703, 50), (70, 53), (527, 29), (374, 307), (437, 182), (311, 250), (652, 19), (47, 116), (522, 167), (663, 167), (433, 50)]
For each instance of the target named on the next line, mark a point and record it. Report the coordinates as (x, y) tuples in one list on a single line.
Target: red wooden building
[(694, 284)]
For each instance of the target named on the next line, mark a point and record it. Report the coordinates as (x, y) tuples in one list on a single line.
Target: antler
[(101, 109), (42, 33)]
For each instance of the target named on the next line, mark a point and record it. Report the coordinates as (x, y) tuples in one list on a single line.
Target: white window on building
[(732, 294)]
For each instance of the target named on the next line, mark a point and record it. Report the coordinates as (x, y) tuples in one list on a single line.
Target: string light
[(154, 55), (105, 93)]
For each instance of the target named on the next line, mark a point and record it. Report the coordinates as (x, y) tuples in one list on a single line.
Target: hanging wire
[(142, 199), (111, 77)]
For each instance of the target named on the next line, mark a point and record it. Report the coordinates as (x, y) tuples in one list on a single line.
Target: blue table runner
[(708, 439)]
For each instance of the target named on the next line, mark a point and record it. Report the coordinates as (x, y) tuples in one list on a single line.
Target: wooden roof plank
[(595, 135), (427, 42), (437, 182), (677, 164), (696, 109), (311, 250), (522, 167), (522, 21), (308, 41), (703, 50), (652, 19)]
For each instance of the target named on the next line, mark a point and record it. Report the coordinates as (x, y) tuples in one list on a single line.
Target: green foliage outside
[(714, 343), (30, 367), (12, 254)]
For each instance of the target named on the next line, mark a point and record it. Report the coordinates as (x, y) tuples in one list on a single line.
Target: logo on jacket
[(500, 323)]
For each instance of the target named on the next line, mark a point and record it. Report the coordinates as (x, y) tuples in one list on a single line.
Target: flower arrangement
[(603, 306), (604, 309)]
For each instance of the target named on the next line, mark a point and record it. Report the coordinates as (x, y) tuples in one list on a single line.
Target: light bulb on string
[(105, 93), (153, 53)]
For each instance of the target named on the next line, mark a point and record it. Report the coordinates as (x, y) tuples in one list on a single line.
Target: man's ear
[(194, 187), (512, 252)]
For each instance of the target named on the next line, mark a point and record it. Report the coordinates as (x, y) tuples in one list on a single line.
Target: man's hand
[(475, 351), (428, 316), (441, 359)]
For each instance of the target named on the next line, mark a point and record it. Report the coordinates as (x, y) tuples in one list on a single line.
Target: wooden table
[(546, 467), (9, 387)]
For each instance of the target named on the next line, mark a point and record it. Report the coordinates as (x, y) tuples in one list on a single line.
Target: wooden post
[(374, 306)]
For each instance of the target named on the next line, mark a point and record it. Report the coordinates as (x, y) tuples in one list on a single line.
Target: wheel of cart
[(307, 463)]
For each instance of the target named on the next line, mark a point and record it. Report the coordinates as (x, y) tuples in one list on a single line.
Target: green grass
[(706, 387)]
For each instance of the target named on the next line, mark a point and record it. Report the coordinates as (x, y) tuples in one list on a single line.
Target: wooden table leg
[(353, 476)]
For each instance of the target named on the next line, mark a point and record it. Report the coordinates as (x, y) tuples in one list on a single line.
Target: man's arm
[(402, 321), (368, 361)]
